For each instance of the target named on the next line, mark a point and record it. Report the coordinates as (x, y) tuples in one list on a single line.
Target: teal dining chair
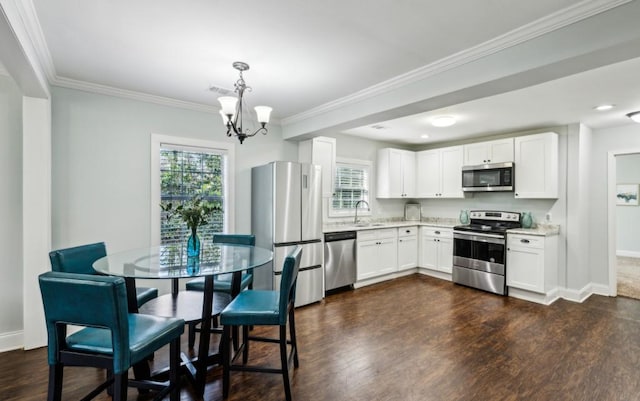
[(111, 337), (263, 308), (222, 283), (80, 259)]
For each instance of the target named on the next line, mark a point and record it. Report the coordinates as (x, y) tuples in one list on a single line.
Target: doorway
[(626, 220)]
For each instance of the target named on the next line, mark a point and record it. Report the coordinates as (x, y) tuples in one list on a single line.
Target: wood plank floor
[(419, 338)]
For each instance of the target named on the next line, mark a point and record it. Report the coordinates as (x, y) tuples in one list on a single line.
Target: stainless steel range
[(479, 250)]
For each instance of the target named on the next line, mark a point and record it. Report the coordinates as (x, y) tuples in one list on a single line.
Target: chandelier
[(231, 110)]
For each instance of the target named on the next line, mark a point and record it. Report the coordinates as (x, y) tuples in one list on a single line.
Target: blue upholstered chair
[(222, 283), (112, 338), (263, 308), (80, 259)]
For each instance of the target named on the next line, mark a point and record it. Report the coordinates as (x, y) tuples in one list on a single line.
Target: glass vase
[(193, 246), (464, 216), (527, 220), (193, 265)]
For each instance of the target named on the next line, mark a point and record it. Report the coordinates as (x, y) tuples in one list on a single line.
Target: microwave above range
[(488, 178)]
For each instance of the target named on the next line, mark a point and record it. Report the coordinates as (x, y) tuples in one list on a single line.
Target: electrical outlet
[(547, 217)]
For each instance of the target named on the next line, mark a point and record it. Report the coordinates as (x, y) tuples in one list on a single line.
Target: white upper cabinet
[(536, 166), (396, 173), (439, 173), (321, 151), (498, 151)]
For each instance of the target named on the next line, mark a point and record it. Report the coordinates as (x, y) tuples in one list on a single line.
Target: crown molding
[(129, 94), (542, 26), (32, 27)]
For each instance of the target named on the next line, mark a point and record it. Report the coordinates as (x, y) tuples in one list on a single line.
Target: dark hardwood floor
[(419, 338)]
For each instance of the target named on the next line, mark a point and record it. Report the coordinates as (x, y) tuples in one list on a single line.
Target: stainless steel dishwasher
[(339, 259)]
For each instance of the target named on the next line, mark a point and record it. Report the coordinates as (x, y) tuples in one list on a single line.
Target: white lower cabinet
[(436, 249), (532, 263), (407, 248), (377, 252)]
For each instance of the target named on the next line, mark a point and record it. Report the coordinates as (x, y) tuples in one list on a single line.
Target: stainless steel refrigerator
[(286, 211)]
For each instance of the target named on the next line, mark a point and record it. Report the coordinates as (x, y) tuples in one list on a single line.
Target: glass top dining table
[(171, 262)]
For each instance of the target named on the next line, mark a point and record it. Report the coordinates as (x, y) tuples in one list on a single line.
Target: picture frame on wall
[(627, 194)]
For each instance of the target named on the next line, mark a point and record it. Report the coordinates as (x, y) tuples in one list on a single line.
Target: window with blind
[(351, 186), (185, 172)]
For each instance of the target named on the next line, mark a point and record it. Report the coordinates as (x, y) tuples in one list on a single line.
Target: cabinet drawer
[(365, 235), (525, 241), (436, 232), (407, 231)]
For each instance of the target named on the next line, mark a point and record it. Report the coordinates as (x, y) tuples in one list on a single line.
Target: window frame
[(367, 164), (228, 149)]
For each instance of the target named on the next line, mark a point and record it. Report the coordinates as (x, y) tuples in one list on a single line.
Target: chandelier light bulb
[(228, 105), (263, 113)]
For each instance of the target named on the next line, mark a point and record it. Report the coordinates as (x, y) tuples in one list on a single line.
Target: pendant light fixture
[(231, 109)]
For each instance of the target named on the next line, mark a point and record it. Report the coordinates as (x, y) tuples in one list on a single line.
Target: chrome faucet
[(355, 220)]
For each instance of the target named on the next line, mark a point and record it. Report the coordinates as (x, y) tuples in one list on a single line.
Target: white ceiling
[(305, 54)]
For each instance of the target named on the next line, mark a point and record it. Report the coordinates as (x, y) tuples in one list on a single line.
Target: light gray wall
[(10, 207), (618, 140), (628, 217), (101, 165)]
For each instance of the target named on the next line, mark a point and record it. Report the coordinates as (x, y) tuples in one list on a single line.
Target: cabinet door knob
[(438, 232), (508, 249), (524, 241)]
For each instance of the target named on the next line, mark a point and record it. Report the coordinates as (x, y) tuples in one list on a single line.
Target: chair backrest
[(86, 300), (78, 259), (235, 239), (288, 282)]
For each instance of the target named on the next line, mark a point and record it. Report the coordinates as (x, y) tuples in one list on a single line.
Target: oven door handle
[(490, 238)]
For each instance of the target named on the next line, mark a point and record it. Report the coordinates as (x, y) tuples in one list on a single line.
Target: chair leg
[(120, 387), (245, 341), (234, 337), (174, 369), (55, 382), (226, 360), (192, 335), (292, 334), (285, 362)]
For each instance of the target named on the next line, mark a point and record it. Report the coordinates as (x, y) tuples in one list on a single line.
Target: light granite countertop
[(370, 224), (544, 230), (388, 223)]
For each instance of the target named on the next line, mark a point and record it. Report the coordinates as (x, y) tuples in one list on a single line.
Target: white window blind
[(185, 172), (351, 185)]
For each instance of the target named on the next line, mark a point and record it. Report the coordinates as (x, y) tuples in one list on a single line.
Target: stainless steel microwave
[(488, 177)]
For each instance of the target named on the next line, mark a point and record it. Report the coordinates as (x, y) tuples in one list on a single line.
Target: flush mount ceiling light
[(231, 109), (635, 116), (443, 121), (425, 136), (604, 107)]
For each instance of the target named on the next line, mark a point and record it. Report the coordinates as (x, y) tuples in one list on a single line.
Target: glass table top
[(169, 261)]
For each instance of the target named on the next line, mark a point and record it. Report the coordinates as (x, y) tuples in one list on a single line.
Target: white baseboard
[(630, 254), (545, 299), (435, 273), (578, 296), (11, 340)]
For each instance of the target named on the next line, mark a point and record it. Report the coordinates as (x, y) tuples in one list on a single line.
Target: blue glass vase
[(193, 246), (193, 265), (527, 220)]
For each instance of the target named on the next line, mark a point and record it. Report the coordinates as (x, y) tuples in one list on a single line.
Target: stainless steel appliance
[(286, 212), (488, 177), (339, 259), (479, 250)]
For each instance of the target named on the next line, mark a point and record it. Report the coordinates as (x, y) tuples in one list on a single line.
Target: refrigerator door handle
[(305, 183)]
